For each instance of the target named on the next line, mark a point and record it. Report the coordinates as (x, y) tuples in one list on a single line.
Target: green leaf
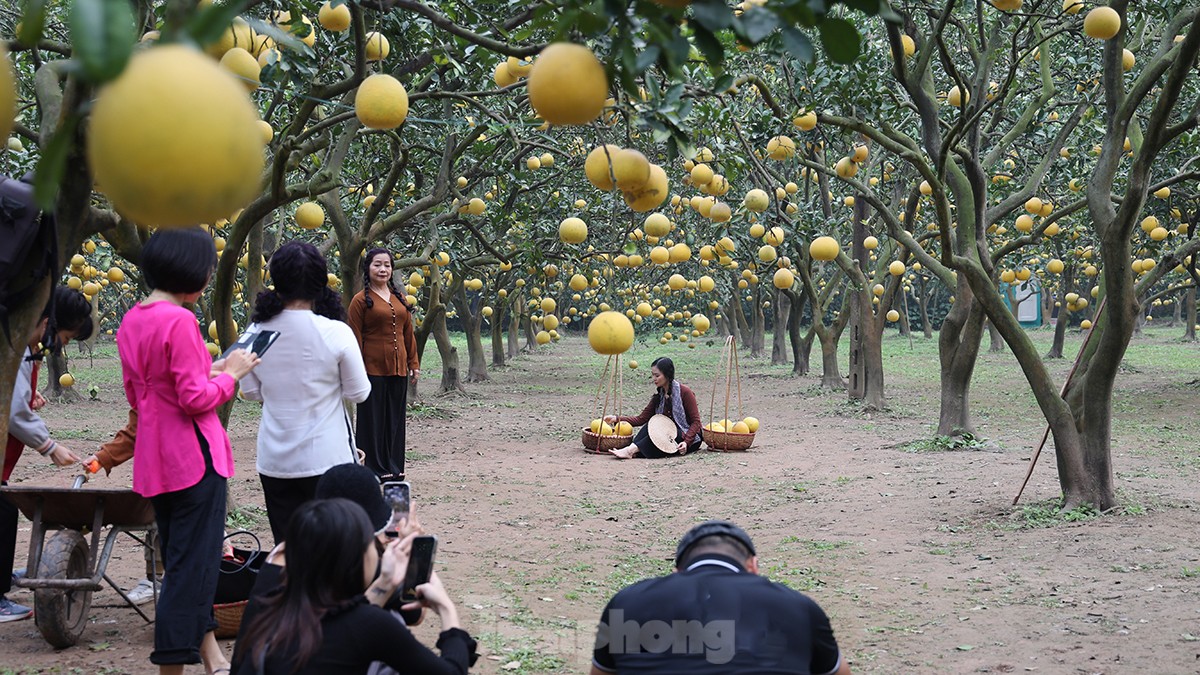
[(102, 37), (714, 15), (840, 39), (209, 24), (53, 164), (646, 58), (284, 38), (757, 23), (723, 83), (33, 20), (797, 44), (710, 46)]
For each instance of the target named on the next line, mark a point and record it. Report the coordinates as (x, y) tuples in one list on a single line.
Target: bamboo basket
[(727, 441), (611, 384), (229, 618)]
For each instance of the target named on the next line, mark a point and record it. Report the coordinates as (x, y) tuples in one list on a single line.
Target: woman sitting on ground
[(319, 621), (671, 399)]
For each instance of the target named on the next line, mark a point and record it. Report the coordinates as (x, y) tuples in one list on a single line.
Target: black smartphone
[(420, 566), (257, 341), (398, 495)]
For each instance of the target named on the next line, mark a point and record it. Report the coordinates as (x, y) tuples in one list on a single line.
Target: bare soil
[(916, 553)]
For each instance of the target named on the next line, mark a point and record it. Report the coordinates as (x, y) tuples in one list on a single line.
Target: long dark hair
[(67, 309), (299, 272), (326, 540), (366, 276), (667, 367)]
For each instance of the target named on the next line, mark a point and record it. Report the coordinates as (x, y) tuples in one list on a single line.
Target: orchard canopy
[(706, 168)]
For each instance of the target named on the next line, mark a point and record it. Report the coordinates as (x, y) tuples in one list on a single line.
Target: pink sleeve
[(189, 363)]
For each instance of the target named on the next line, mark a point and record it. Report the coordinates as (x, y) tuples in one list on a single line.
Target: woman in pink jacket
[(182, 456)]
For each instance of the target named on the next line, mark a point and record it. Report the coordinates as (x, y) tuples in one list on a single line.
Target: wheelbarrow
[(64, 570)]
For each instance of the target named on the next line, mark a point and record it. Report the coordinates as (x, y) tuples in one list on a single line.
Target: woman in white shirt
[(310, 370)]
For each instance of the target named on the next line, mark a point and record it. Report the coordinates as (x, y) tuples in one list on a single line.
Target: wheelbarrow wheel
[(61, 614)]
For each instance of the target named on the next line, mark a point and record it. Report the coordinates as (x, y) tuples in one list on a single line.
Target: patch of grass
[(944, 443), (1049, 514), (421, 411), (246, 518), (1189, 573), (522, 655)]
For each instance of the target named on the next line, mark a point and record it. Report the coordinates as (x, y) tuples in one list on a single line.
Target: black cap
[(708, 529), (358, 484)]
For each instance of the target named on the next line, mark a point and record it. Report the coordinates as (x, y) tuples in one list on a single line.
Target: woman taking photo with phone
[(182, 457), (671, 399), (320, 621), (382, 323), (312, 367)]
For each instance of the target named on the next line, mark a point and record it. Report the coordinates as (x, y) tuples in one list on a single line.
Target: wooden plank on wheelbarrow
[(67, 507)]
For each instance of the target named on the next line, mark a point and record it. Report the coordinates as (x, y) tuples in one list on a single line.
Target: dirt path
[(917, 556)]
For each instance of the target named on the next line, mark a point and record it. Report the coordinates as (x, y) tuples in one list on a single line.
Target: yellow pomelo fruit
[(542, 337), (238, 34), (896, 268), (657, 225), (679, 253), (957, 98), (783, 279), (598, 164), (767, 253), (650, 195), (805, 121), (677, 282), (310, 215), (701, 323), (175, 141), (740, 428), (567, 84), (517, 67), (578, 282), (381, 102), (244, 66), (66, 380), (908, 45), (1128, 60), (774, 236), (502, 76), (752, 424), (845, 168), (377, 46), (610, 333), (824, 248), (630, 169), (334, 19), (893, 316), (1085, 324), (572, 231), (1055, 266), (1102, 23), (268, 134), (870, 243), (701, 174), (757, 201), (116, 275), (1072, 6), (720, 212), (781, 147), (625, 428), (659, 255), (8, 94)]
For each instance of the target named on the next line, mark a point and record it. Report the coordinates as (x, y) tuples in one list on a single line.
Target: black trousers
[(647, 449), (191, 529), (283, 497), (380, 426), (8, 542)]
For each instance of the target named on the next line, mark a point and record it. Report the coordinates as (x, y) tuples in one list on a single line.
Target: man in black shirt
[(715, 615)]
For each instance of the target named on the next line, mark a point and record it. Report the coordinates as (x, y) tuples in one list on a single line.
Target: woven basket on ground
[(229, 618), (600, 445), (727, 441)]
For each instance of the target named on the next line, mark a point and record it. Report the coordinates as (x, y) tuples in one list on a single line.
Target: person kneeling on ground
[(671, 399), (320, 621), (715, 615)]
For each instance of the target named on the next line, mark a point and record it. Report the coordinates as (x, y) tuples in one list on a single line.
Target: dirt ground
[(916, 553)]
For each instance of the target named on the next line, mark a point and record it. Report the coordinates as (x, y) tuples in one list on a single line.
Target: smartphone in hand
[(420, 566), (257, 341), (398, 495)]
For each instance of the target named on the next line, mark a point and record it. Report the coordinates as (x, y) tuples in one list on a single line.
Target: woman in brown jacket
[(671, 399), (382, 322)]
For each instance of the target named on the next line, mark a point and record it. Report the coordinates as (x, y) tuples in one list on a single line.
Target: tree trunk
[(1189, 315), (923, 301), (471, 317), (958, 351), (831, 378), (497, 327), (254, 269), (56, 367), (1176, 312), (23, 317), (451, 379), (758, 326), (530, 334), (997, 340), (779, 329), (514, 332), (801, 346), (743, 326), (1060, 325), (874, 397), (902, 310)]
